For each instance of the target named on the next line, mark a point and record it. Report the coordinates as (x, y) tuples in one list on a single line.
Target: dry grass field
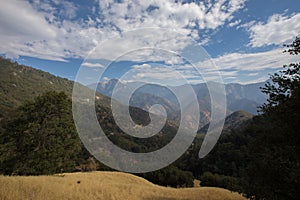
[(101, 185)]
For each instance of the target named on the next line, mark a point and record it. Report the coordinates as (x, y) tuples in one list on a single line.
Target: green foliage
[(261, 160), (216, 180), (284, 83), (229, 155), (274, 168), (170, 176), (41, 139)]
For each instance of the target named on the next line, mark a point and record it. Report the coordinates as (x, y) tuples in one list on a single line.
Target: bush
[(170, 176), (216, 180)]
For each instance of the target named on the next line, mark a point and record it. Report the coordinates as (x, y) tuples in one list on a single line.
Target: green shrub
[(216, 180)]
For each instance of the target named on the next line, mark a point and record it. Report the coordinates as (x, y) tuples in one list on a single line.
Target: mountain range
[(238, 97)]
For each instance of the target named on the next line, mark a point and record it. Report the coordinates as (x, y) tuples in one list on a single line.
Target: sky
[(236, 41)]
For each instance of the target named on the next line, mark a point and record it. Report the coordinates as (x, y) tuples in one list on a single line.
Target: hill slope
[(234, 122), (101, 185), (19, 83)]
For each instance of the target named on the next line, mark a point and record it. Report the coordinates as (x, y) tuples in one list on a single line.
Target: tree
[(274, 168), (284, 83), (170, 176), (42, 139)]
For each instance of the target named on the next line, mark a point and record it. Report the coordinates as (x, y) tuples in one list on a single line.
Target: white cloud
[(19, 18), (69, 9), (106, 78), (172, 60), (158, 73), (51, 29), (144, 45), (36, 31), (235, 23), (253, 74), (143, 66), (230, 65), (88, 64), (277, 30), (128, 15), (257, 80), (188, 19), (273, 59)]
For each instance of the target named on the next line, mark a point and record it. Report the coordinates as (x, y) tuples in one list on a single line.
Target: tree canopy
[(41, 139), (274, 168), (285, 83)]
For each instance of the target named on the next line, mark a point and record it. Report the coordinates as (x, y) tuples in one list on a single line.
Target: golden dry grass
[(101, 185)]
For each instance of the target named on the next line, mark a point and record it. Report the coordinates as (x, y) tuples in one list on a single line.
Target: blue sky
[(243, 38)]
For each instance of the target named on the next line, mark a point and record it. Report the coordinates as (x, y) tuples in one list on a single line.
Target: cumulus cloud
[(19, 18), (143, 66), (52, 29), (128, 15), (235, 23), (277, 30), (88, 64), (38, 31)]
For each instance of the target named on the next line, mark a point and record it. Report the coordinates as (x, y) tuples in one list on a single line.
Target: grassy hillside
[(19, 83), (101, 185)]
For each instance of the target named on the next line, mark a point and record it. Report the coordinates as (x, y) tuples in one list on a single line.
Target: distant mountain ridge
[(238, 97)]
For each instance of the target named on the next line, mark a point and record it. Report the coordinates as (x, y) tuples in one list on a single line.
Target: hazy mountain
[(239, 97), (234, 121)]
